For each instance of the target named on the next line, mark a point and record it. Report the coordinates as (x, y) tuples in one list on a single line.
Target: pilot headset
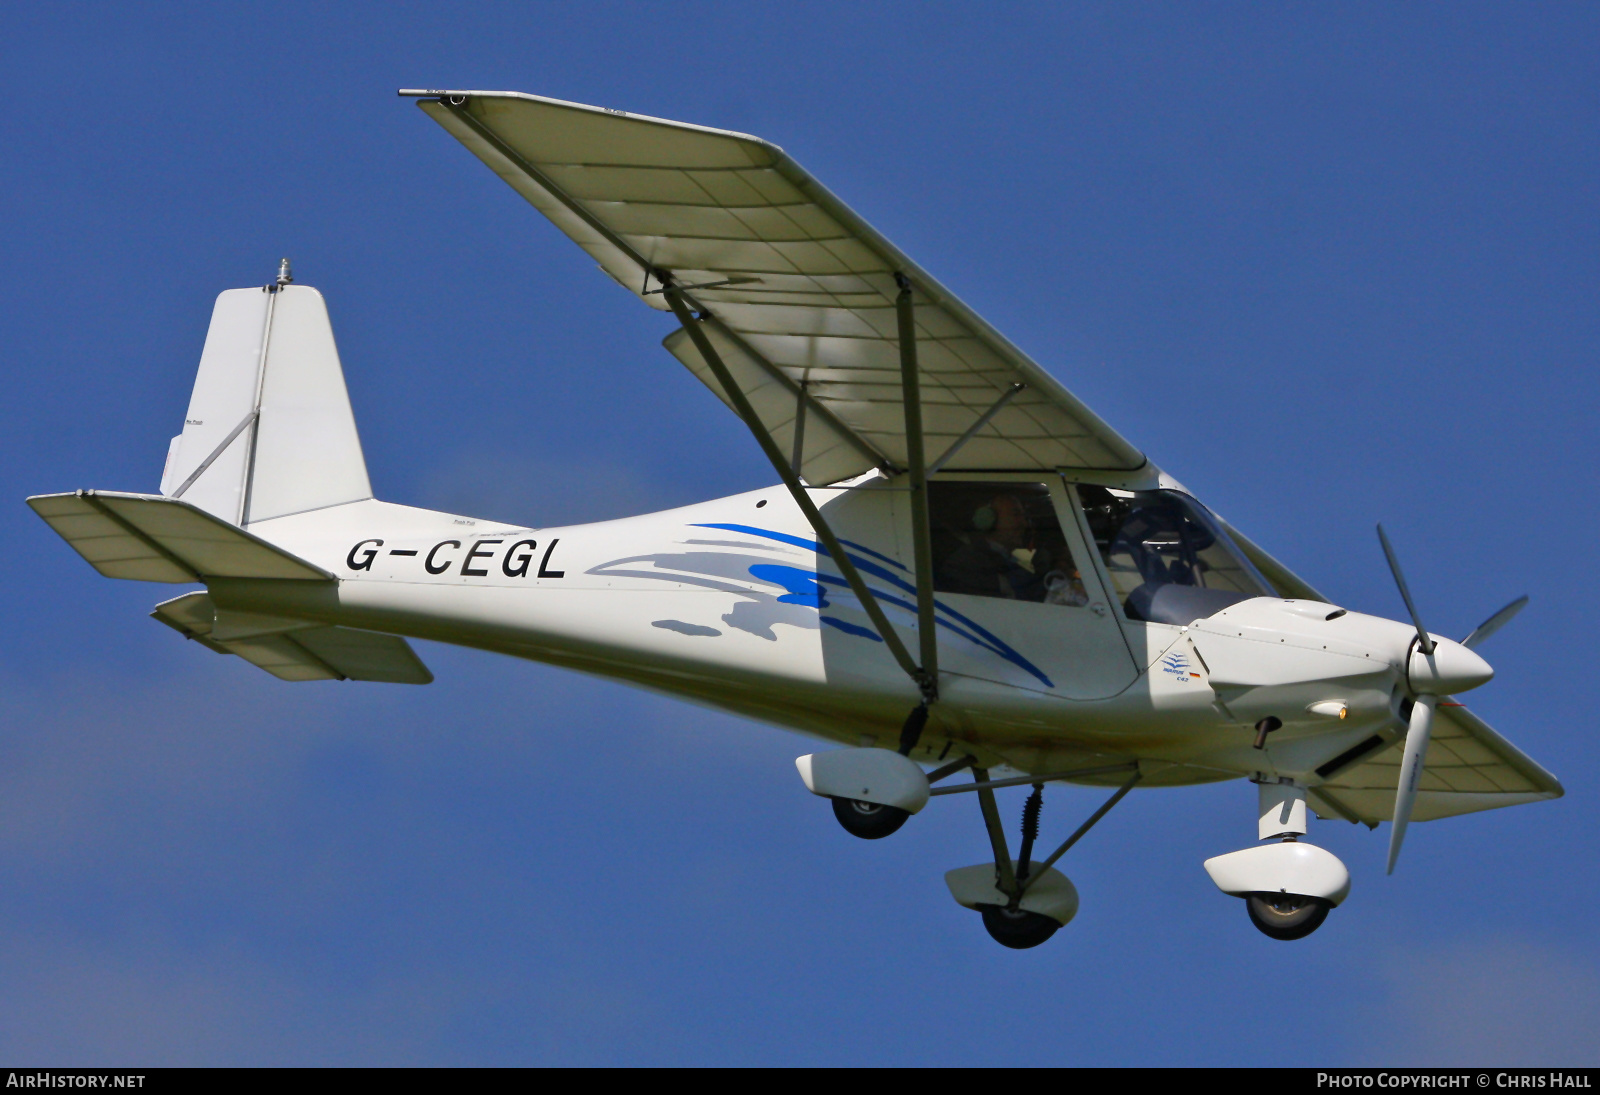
[(984, 518)]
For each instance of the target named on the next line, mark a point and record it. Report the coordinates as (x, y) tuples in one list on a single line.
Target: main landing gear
[(1022, 903), (874, 791), (868, 820), (1018, 929), (1288, 887)]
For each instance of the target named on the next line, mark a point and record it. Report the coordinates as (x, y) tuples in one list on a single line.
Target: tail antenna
[(285, 275)]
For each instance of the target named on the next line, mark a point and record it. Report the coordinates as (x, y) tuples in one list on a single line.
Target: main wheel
[(868, 820), (1017, 928), (1286, 915)]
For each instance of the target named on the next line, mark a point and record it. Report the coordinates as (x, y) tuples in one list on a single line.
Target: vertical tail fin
[(269, 430)]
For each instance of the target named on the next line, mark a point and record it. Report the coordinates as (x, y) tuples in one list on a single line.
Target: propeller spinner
[(1434, 668)]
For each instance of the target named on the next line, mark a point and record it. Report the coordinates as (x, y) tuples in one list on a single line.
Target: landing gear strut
[(1288, 887), (1016, 927), (1022, 903)]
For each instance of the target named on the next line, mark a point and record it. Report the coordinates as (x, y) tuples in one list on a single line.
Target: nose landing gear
[(1288, 887), (1286, 915)]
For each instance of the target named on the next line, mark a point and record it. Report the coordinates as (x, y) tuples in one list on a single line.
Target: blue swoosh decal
[(852, 629), (876, 555), (802, 584), (967, 628)]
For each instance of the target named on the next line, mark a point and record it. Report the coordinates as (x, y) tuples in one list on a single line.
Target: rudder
[(269, 431)]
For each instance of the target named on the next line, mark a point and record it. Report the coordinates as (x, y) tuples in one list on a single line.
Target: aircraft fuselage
[(732, 604)]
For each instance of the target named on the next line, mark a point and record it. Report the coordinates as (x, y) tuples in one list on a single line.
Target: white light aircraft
[(963, 570)]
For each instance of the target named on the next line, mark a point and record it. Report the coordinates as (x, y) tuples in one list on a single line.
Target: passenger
[(1065, 588)]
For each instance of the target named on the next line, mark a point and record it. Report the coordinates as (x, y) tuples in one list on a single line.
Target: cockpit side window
[(1001, 540), (1168, 558)]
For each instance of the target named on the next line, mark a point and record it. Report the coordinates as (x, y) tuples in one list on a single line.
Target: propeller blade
[(1495, 623), (1426, 643), (1405, 795)]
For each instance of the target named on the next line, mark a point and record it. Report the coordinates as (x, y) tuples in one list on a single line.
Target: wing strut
[(799, 428), (917, 471), (972, 431), (1005, 873), (791, 480)]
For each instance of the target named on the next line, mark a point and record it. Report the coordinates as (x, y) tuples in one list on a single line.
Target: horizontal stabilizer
[(310, 652), (149, 538)]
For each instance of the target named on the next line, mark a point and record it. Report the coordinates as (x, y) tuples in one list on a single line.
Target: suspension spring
[(1030, 828)]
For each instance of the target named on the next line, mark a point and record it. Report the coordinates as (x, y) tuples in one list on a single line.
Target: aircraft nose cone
[(1450, 668)]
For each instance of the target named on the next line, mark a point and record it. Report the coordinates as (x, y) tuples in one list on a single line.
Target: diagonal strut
[(797, 490), (917, 472)]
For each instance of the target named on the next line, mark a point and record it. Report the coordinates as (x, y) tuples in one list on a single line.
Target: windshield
[(1168, 558)]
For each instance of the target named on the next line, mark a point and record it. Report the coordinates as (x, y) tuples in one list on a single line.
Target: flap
[(149, 538)]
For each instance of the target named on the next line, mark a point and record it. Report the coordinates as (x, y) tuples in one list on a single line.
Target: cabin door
[(1020, 599)]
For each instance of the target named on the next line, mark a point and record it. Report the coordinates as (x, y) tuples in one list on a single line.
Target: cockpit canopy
[(1167, 555)]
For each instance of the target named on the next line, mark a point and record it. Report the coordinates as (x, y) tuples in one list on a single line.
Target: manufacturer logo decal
[(1177, 665)]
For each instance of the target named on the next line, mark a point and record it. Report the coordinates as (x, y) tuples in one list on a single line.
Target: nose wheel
[(1288, 887), (1286, 915)]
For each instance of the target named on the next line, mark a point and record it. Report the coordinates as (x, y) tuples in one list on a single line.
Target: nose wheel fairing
[(1288, 887)]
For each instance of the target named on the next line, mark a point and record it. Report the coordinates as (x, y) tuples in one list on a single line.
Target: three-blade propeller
[(1420, 727), (1495, 623)]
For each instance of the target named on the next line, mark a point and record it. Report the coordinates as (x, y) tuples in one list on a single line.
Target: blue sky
[(1329, 265)]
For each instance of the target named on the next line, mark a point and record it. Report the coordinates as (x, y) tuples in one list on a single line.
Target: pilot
[(999, 558)]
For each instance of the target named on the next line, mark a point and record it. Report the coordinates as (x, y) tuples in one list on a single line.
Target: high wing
[(1468, 767), (799, 290)]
